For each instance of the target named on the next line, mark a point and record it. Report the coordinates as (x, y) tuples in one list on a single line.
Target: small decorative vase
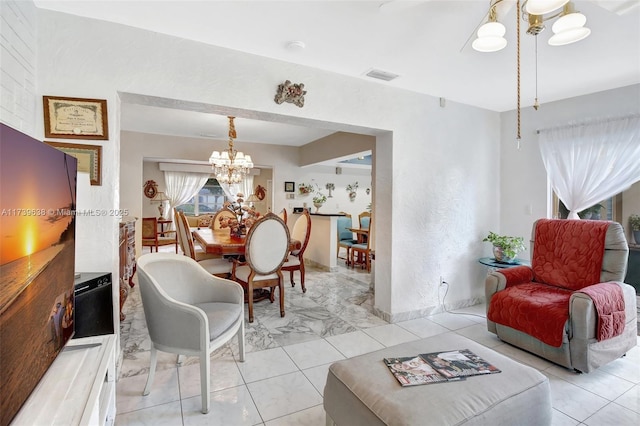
[(317, 206), (239, 232), (636, 236), (499, 255)]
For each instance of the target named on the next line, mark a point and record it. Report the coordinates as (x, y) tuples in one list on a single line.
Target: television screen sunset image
[(37, 261)]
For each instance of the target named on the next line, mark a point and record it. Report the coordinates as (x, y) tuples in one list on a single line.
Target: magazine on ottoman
[(435, 367)]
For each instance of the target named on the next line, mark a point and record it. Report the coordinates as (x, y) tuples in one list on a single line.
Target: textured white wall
[(436, 176), (18, 61), (523, 182)]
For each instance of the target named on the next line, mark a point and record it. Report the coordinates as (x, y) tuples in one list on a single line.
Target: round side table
[(492, 264)]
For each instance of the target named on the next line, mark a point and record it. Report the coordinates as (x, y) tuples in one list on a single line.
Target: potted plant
[(505, 248), (592, 212), (319, 200), (351, 189), (634, 221), (305, 188)]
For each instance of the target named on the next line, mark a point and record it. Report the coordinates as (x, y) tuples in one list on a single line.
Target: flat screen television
[(37, 260)]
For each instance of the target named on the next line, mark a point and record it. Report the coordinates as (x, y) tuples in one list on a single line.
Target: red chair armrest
[(517, 275)]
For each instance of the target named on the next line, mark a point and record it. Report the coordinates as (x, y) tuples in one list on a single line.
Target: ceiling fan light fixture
[(540, 7), (569, 36)]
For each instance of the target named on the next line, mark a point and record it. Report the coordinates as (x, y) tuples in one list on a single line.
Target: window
[(609, 209), (209, 200)]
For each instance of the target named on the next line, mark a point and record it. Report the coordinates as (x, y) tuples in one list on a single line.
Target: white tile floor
[(283, 384)]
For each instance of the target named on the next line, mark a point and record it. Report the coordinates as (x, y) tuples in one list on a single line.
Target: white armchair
[(188, 312)]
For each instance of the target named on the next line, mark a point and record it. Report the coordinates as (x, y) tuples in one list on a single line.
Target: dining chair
[(364, 220), (188, 312), (151, 237), (364, 250), (345, 237), (216, 266), (200, 253), (295, 260), (266, 249), (283, 215), (215, 223)]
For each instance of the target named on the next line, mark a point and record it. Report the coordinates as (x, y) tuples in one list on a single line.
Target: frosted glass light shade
[(569, 36), (569, 29), (490, 38), (540, 7), (489, 44), (569, 22), (491, 29)]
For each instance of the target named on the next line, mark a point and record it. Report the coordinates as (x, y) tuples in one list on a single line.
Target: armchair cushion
[(222, 316), (204, 221), (536, 309), (567, 253)]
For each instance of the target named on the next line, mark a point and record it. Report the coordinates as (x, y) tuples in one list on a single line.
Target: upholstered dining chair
[(151, 237), (364, 220), (217, 266), (266, 249), (364, 250), (188, 312), (215, 222), (200, 254), (345, 237), (283, 215), (295, 260)]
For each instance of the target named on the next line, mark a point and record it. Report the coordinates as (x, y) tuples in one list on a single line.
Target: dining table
[(361, 234), (220, 241)]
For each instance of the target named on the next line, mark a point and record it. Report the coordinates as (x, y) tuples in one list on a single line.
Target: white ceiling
[(428, 43)]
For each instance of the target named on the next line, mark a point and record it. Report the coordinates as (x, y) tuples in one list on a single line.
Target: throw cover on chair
[(567, 257), (609, 302)]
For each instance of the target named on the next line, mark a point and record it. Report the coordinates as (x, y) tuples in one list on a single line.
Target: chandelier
[(568, 28), (230, 166)]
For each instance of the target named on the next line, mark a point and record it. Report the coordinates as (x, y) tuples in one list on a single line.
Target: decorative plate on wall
[(150, 189)]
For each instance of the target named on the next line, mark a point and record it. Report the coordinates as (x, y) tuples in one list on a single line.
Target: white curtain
[(245, 187), (591, 161), (182, 186)]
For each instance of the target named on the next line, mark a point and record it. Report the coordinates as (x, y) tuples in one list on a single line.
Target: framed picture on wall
[(75, 118), (88, 158), (289, 187)]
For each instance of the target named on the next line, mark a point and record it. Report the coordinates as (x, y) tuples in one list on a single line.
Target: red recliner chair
[(571, 306)]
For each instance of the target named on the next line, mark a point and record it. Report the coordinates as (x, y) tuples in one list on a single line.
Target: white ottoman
[(362, 391)]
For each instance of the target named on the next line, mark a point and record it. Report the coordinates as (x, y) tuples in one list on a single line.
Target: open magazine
[(437, 367)]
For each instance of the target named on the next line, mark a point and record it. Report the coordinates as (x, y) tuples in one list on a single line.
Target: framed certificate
[(88, 157), (75, 118)]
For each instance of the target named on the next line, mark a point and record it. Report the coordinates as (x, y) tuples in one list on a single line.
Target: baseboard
[(432, 310)]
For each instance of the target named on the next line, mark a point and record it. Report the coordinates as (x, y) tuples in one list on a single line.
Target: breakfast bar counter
[(322, 250)]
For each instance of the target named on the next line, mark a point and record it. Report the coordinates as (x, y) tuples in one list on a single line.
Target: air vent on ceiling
[(381, 75)]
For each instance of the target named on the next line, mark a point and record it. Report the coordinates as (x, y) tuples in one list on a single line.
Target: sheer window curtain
[(591, 161), (182, 186), (245, 187)]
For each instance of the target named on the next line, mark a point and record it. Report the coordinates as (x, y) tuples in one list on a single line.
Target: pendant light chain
[(518, 65), (536, 105)]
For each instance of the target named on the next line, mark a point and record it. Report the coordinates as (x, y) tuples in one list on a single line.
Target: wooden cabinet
[(127, 249)]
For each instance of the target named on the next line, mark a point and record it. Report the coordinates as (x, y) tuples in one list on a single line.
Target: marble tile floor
[(282, 380)]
